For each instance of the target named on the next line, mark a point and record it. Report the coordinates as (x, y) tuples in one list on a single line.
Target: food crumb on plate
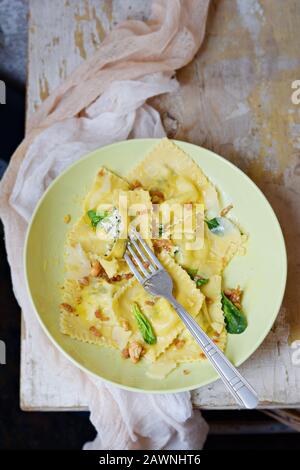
[(67, 218)]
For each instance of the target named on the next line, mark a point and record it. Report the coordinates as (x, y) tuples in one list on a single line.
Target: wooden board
[(235, 99)]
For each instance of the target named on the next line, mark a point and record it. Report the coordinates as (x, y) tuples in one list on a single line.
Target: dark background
[(234, 430)]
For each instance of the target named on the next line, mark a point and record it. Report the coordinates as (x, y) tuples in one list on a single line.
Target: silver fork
[(154, 278)]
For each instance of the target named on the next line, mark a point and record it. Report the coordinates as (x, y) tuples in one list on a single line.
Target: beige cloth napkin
[(104, 101)]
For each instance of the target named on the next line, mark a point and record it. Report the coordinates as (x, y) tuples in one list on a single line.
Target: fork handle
[(234, 381)]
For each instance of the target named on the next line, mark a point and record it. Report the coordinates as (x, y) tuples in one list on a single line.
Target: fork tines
[(140, 258)]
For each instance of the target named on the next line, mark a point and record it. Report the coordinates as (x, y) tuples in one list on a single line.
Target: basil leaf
[(235, 319), (212, 223), (144, 325), (201, 282), (96, 218)]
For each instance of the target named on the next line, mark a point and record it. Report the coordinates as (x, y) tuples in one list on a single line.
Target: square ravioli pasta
[(168, 171)]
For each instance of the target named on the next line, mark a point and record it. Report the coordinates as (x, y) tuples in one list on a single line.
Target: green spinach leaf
[(144, 325), (192, 273), (96, 218), (235, 319), (212, 223), (201, 281)]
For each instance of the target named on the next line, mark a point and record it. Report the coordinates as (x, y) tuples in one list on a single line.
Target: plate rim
[(215, 376)]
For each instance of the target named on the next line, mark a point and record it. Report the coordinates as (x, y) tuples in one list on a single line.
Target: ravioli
[(171, 171), (101, 196), (216, 252), (169, 199), (185, 348), (164, 319), (83, 324)]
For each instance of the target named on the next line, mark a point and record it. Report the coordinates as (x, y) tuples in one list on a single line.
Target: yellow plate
[(262, 271)]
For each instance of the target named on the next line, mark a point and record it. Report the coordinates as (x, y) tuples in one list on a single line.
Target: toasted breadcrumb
[(235, 295), (67, 219), (226, 210), (95, 331), (96, 269), (163, 244), (135, 184), (135, 351), (100, 315), (67, 307), (125, 353), (179, 343), (125, 325), (84, 281), (157, 196)]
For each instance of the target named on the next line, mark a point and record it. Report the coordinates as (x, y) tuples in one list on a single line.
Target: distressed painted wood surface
[(235, 99)]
